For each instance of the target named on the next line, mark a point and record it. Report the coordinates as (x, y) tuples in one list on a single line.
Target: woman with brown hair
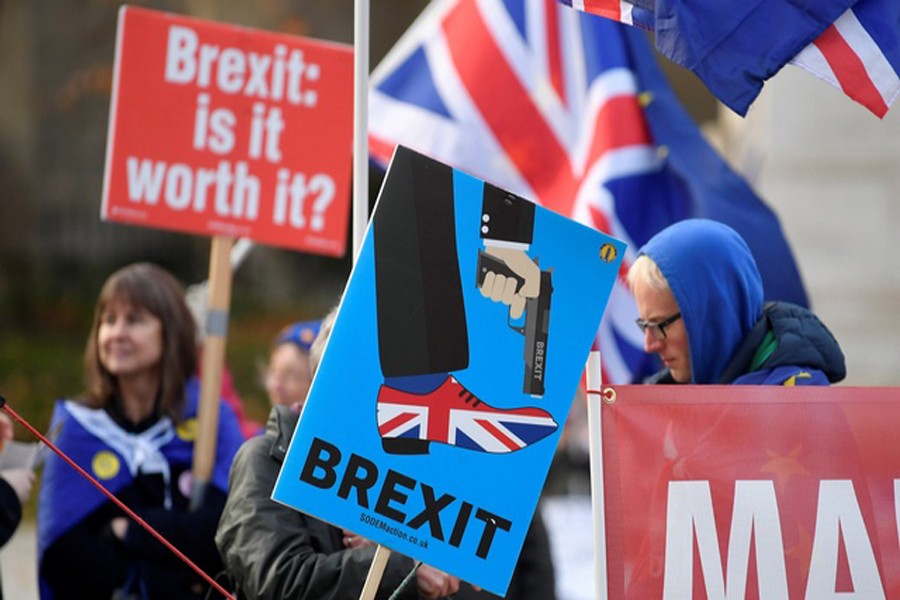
[(133, 430)]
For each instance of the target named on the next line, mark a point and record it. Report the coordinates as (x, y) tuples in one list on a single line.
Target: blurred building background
[(831, 170)]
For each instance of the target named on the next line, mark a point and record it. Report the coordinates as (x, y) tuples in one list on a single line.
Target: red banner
[(752, 492), (224, 130)]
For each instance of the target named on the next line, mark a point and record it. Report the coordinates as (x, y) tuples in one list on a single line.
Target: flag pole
[(594, 400), (360, 122), (361, 201)]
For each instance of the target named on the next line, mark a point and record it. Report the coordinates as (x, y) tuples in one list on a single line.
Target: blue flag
[(735, 46), (713, 190)]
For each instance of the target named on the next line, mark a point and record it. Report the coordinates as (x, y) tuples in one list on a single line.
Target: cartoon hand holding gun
[(510, 277), (507, 274)]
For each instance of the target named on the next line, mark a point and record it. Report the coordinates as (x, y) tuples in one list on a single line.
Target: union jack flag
[(618, 10), (572, 112), (856, 43), (452, 415), (860, 53)]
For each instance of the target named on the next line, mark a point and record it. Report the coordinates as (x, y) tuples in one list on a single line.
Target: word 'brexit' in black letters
[(361, 475)]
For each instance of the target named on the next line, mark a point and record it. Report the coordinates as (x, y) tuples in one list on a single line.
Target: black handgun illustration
[(537, 321)]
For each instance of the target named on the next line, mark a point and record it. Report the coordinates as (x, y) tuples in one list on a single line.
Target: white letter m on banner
[(690, 510)]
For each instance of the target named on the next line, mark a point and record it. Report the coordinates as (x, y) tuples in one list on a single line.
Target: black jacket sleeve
[(272, 551), (10, 511)]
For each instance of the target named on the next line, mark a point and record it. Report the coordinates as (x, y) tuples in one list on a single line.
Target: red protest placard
[(752, 492), (223, 130)]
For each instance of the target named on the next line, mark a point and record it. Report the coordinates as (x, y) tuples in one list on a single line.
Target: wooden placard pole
[(361, 200), (213, 357), (373, 579)]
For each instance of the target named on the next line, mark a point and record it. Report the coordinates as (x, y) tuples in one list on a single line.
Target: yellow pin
[(608, 253), (105, 465), (187, 430)]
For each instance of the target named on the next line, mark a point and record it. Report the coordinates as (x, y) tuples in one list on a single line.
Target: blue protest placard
[(457, 351)]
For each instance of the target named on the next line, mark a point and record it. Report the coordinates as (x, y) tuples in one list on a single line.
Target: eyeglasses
[(657, 329)]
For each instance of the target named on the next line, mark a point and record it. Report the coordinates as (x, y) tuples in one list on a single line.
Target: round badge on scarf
[(187, 430), (105, 465)]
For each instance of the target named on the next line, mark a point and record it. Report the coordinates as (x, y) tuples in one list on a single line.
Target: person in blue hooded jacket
[(700, 303)]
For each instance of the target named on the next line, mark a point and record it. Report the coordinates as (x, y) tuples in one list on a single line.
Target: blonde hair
[(646, 270), (317, 349)]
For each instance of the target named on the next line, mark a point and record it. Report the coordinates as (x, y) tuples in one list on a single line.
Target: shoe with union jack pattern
[(452, 415)]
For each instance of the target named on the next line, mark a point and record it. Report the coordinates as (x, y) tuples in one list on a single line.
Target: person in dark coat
[(272, 551), (15, 489)]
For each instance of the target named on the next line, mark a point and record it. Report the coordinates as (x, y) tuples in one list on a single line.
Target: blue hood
[(717, 286)]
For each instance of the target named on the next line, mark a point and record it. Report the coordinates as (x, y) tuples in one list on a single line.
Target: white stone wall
[(831, 170)]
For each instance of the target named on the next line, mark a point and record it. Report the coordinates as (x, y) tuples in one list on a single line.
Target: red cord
[(117, 502)]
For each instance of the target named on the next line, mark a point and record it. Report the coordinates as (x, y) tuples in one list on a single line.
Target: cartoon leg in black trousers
[(422, 332)]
